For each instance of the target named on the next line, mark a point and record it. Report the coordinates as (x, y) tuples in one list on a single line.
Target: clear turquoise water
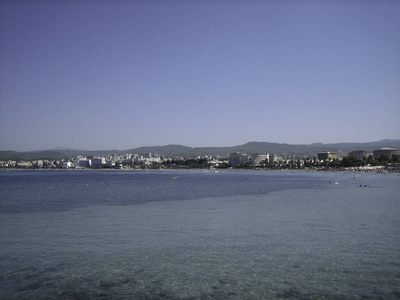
[(204, 235)]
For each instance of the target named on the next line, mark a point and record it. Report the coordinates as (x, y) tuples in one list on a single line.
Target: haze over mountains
[(180, 150)]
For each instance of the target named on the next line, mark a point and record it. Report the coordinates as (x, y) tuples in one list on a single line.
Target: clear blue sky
[(123, 74)]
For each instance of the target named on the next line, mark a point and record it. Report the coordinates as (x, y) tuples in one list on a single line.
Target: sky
[(124, 74)]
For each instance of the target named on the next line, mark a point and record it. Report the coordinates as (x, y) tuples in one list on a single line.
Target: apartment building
[(326, 155), (360, 154), (386, 151), (236, 159), (256, 159)]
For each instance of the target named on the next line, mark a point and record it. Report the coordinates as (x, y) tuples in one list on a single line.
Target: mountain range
[(179, 150)]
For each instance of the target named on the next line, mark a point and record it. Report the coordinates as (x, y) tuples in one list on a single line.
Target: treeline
[(345, 162), (189, 163), (349, 161)]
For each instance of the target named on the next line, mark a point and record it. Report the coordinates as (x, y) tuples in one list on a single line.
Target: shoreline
[(382, 170)]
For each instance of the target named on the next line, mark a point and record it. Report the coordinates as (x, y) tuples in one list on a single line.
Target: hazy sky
[(123, 74)]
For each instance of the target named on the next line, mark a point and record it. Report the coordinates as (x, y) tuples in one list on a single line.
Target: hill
[(32, 155), (179, 150)]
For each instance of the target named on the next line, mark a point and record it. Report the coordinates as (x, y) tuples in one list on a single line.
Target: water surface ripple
[(199, 235)]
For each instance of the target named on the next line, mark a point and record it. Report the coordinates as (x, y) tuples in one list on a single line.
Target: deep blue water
[(199, 235), (52, 190)]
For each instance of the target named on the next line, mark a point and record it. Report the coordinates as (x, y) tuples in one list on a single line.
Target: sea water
[(199, 235)]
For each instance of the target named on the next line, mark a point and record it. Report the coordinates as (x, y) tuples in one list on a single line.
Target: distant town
[(380, 160)]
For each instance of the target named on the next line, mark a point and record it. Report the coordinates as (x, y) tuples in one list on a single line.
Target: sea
[(113, 234)]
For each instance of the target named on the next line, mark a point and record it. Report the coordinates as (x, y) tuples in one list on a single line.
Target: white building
[(67, 164), (275, 158), (257, 159)]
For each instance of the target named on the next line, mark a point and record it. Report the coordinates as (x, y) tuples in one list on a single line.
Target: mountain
[(179, 150)]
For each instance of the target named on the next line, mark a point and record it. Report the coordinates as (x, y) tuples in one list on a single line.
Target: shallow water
[(204, 235)]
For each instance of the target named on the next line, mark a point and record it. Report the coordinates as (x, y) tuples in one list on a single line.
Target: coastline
[(381, 170)]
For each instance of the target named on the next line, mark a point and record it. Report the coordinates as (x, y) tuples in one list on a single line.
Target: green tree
[(307, 164), (335, 163), (349, 161), (383, 160)]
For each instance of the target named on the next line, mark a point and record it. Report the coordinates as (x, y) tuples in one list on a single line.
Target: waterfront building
[(276, 158), (98, 162), (126, 161), (257, 159), (139, 158), (359, 154), (110, 163), (326, 155), (82, 163), (67, 164), (236, 159), (386, 151), (25, 164)]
